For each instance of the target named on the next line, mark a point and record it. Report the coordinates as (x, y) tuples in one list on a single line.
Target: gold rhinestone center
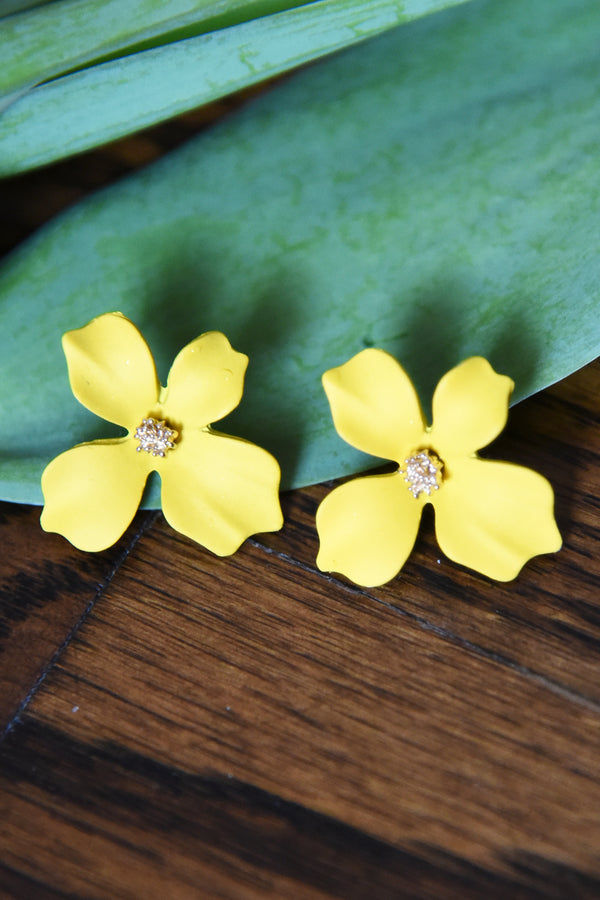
[(422, 472), (155, 436)]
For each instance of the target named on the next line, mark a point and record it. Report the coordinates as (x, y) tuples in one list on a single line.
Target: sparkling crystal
[(155, 436), (422, 472)]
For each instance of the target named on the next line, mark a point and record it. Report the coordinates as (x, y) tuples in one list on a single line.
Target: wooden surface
[(181, 726)]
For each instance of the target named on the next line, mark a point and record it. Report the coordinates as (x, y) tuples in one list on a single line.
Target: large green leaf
[(434, 192), (112, 99)]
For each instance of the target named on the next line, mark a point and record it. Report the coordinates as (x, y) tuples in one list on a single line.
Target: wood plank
[(46, 589), (257, 670), (113, 823)]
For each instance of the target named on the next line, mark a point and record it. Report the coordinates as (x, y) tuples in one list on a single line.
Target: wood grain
[(294, 684), (46, 587), (126, 826), (182, 726)]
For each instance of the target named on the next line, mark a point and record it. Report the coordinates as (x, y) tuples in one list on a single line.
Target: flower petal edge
[(92, 492), (206, 381), (111, 369), (374, 405), (367, 528), (494, 516), (218, 490), (470, 407)]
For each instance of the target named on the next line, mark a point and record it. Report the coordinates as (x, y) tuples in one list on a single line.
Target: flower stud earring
[(490, 516), (216, 489)]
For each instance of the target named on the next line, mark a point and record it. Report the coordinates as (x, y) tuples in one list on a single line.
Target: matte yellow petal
[(92, 492), (218, 490), (470, 407), (367, 528), (206, 381), (494, 516), (111, 369), (374, 405)]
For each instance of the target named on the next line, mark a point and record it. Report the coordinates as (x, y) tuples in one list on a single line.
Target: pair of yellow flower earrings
[(218, 490)]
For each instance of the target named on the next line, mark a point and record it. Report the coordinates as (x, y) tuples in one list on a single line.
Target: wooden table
[(182, 726)]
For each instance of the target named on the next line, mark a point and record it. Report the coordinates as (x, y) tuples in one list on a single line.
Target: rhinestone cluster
[(155, 437), (422, 472)]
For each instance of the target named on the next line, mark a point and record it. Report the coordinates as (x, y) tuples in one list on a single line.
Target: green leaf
[(10, 7), (48, 41), (433, 192), (112, 99)]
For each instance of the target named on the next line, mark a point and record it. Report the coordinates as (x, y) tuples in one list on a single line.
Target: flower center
[(155, 436), (422, 472)]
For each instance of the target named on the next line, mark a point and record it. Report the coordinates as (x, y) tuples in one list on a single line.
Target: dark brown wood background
[(181, 726)]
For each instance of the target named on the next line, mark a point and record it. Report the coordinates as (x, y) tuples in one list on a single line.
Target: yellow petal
[(206, 381), (367, 528), (494, 516), (374, 405), (92, 492), (219, 490), (111, 369), (470, 407)]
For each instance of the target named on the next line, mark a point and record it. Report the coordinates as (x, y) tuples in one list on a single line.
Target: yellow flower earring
[(216, 489), (490, 516)]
